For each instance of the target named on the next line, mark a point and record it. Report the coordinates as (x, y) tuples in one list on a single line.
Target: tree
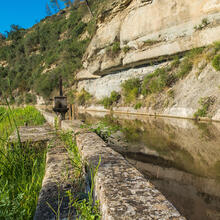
[(87, 4), (55, 5), (67, 3), (48, 11)]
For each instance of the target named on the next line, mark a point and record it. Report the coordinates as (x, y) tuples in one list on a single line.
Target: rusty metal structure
[(60, 102)]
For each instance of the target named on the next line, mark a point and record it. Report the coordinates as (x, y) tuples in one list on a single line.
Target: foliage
[(155, 82), (150, 42), (138, 105), (30, 98), (203, 24), (21, 167), (205, 103), (126, 49), (109, 101), (131, 89), (113, 49), (216, 62), (30, 52)]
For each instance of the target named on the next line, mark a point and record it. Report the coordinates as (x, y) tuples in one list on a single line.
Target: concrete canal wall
[(122, 190)]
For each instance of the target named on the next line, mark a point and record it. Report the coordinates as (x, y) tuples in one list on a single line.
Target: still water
[(180, 157)]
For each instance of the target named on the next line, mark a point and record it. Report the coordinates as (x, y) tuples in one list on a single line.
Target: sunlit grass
[(21, 166)]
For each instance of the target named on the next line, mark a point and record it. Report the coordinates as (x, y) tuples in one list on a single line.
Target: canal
[(180, 157)]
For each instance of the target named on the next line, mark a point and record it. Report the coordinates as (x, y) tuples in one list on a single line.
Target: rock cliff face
[(134, 35)]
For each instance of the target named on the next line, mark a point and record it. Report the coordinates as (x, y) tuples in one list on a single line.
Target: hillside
[(143, 56), (32, 60)]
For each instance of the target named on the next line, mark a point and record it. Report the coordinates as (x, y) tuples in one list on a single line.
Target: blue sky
[(24, 13)]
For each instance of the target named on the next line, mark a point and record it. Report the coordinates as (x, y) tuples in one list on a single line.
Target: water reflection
[(181, 157)]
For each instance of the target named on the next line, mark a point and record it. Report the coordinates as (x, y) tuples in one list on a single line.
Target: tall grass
[(21, 167)]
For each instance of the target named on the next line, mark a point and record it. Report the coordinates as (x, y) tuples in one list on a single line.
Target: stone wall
[(122, 190)]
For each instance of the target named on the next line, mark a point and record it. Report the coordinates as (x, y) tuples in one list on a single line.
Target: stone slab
[(57, 180), (33, 133)]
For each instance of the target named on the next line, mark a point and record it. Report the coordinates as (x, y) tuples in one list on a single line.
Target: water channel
[(180, 157)]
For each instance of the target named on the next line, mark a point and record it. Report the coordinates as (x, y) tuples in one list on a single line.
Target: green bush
[(205, 104), (131, 89), (30, 98), (155, 82), (126, 49), (116, 47), (109, 101), (83, 97), (185, 67), (216, 62), (138, 105)]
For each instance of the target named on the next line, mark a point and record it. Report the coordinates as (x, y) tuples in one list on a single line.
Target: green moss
[(155, 82)]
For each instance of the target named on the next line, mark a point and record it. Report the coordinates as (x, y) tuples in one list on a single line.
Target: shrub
[(30, 98), (155, 82), (131, 89), (109, 101), (150, 42), (216, 62), (83, 97), (185, 67), (113, 49), (205, 103), (126, 49), (138, 105)]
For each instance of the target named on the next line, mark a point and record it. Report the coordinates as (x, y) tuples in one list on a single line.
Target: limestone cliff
[(136, 37)]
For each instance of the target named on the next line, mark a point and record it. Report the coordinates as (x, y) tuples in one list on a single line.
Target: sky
[(24, 13)]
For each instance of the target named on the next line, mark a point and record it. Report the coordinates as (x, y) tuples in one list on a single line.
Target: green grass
[(21, 167)]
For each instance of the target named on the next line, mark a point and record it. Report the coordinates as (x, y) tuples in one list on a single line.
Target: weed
[(126, 49), (150, 42), (216, 62), (114, 49), (171, 93), (203, 24), (205, 103)]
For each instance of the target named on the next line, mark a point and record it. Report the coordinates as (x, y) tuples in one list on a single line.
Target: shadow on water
[(180, 157)]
